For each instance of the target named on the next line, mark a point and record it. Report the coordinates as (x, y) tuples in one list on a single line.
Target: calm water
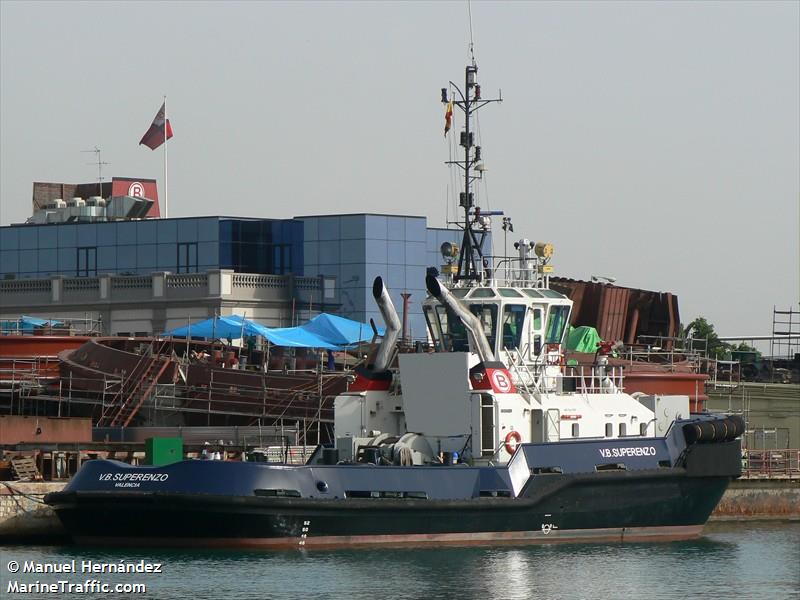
[(738, 561)]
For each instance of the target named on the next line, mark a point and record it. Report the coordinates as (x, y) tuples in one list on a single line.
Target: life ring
[(512, 435)]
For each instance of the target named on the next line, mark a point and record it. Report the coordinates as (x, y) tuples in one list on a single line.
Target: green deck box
[(163, 451)]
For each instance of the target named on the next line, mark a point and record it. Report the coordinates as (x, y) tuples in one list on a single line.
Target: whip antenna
[(471, 42)]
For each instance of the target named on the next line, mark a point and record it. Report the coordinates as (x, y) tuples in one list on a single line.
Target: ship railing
[(522, 373), (534, 377), (666, 357), (286, 455), (510, 272), (771, 464), (591, 380)]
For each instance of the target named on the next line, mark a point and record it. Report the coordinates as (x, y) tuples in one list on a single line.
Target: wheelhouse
[(523, 321)]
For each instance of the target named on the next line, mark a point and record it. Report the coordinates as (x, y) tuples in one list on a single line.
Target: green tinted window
[(482, 293), (509, 293), (487, 315), (513, 319), (454, 333), (556, 322), (537, 318)]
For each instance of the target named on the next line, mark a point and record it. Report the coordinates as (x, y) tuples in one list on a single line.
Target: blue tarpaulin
[(338, 330), (219, 328), (26, 323), (323, 331)]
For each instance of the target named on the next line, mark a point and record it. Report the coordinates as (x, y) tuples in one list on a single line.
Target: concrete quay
[(23, 517), (760, 499)]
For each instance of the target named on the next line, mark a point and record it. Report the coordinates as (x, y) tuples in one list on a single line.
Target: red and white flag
[(155, 135)]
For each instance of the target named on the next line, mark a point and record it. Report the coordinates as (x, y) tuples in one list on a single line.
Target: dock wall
[(23, 516), (760, 499)]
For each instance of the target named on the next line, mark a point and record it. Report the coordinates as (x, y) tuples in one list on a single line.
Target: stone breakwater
[(24, 518), (760, 499), (22, 514)]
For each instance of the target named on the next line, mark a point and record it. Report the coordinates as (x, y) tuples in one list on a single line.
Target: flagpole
[(166, 180)]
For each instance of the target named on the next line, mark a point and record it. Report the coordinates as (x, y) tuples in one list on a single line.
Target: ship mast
[(476, 225)]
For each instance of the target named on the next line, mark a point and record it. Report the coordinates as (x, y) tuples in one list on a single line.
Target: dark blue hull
[(607, 506), (662, 492)]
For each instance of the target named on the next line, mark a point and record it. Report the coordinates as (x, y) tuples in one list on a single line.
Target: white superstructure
[(497, 376)]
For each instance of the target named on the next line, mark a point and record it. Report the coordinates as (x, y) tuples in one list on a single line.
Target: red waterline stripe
[(632, 534)]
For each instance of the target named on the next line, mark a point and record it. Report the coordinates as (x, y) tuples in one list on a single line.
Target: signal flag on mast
[(448, 117), (155, 135)]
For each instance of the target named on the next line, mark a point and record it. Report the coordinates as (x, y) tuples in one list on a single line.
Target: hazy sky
[(658, 143)]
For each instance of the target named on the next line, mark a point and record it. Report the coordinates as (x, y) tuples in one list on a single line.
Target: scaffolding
[(785, 342), (21, 325), (307, 406)]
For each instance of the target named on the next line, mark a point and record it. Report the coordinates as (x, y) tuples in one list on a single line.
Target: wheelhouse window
[(556, 322), (513, 320), (434, 327), (537, 318), (453, 333), (487, 315), (536, 328)]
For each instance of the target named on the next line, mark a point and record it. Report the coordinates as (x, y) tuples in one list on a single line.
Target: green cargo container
[(163, 451)]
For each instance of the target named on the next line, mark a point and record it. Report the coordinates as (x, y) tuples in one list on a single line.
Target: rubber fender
[(739, 425), (720, 430), (707, 431), (725, 429), (730, 430), (691, 433)]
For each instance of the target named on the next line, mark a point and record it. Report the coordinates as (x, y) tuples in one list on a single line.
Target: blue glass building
[(353, 248), (183, 245)]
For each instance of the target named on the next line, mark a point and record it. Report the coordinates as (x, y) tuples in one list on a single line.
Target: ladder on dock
[(136, 388)]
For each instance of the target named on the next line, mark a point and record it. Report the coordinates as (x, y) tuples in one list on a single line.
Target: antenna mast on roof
[(100, 164), (470, 257)]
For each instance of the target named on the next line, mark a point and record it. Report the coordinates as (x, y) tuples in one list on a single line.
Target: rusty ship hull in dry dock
[(123, 374)]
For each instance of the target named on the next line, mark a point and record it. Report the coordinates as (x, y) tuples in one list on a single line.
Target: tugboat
[(491, 438)]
